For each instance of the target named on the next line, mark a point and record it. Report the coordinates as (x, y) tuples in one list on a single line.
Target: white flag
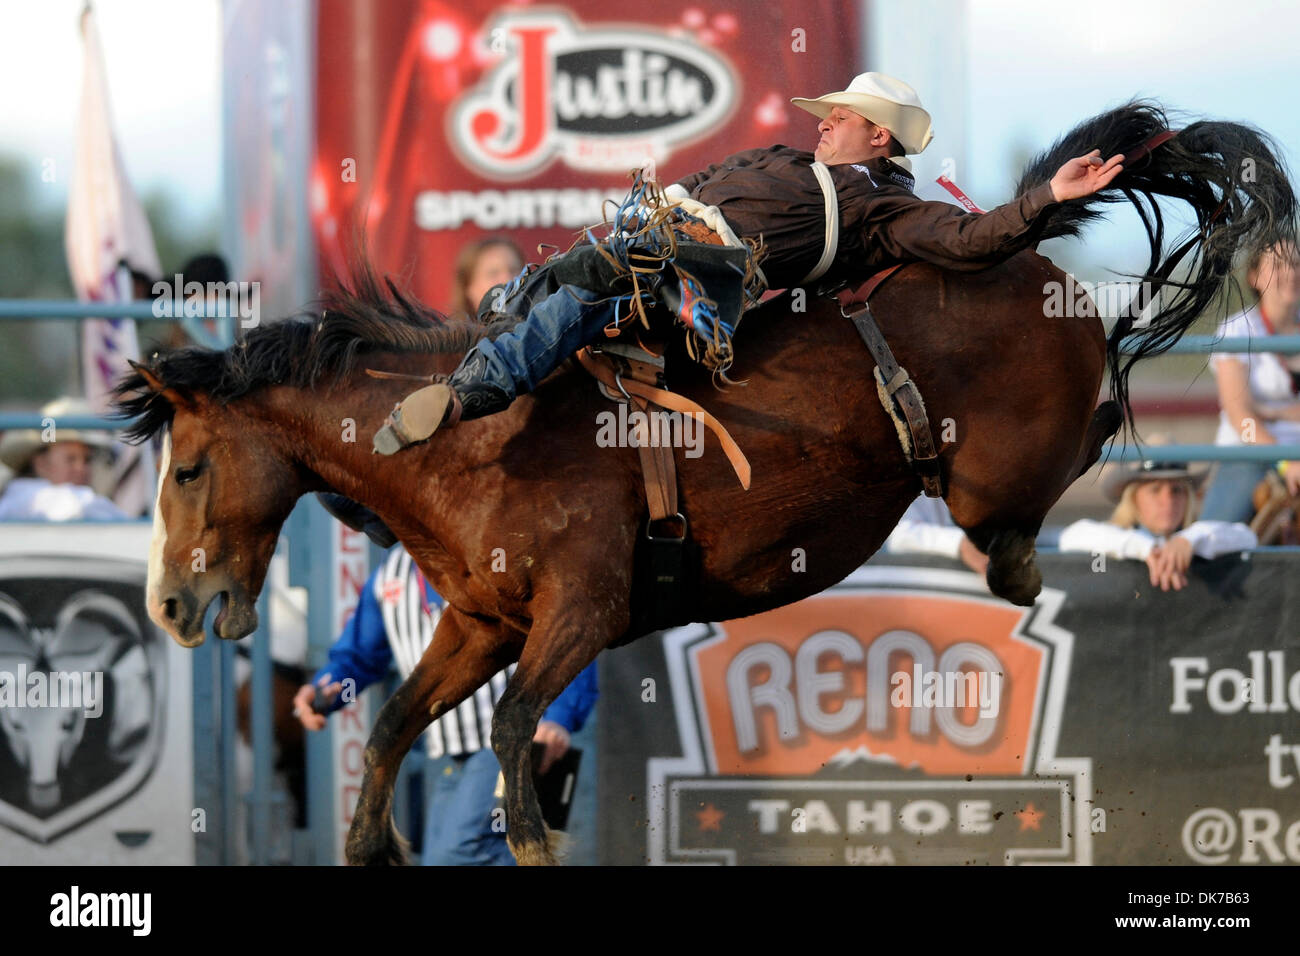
[(106, 235)]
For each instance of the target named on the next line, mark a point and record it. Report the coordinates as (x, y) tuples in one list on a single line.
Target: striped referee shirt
[(411, 610)]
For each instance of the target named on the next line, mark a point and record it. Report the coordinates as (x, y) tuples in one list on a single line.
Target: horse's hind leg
[(463, 655)]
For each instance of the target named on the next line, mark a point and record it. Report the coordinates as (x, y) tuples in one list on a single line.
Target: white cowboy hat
[(1152, 469), (19, 446), (884, 101)]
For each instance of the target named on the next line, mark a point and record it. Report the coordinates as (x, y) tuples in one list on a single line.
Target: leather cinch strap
[(674, 402), (832, 238)]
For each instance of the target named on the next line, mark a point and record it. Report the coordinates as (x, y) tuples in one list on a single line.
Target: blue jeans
[(556, 327), (1229, 496), (459, 818)]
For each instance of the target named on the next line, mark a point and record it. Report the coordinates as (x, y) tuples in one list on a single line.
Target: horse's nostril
[(169, 609)]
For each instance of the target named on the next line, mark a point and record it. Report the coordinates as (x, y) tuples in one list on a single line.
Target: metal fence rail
[(36, 310), (1192, 344)]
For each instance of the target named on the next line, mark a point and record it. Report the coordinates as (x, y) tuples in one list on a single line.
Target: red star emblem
[(710, 818), (393, 591), (1029, 817)]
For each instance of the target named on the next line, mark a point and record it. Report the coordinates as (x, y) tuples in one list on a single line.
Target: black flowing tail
[(1231, 175)]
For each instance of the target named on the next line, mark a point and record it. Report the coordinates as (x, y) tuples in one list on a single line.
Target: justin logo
[(903, 703), (601, 98)]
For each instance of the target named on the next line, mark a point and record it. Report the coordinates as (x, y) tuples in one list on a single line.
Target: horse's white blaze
[(159, 537)]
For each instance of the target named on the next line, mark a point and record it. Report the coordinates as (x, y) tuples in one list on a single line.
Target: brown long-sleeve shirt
[(772, 193)]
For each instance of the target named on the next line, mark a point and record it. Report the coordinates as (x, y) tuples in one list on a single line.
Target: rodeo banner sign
[(95, 738), (438, 124), (906, 716)]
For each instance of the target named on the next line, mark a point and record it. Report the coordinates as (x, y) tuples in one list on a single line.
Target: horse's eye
[(185, 475)]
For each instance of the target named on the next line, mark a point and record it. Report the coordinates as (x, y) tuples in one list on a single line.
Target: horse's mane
[(361, 316)]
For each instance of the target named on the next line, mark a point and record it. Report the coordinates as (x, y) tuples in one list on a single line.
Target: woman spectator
[(1257, 393), (480, 266), (1150, 523)]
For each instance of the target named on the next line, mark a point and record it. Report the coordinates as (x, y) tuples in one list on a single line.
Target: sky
[(1037, 69), (1033, 70), (164, 75)]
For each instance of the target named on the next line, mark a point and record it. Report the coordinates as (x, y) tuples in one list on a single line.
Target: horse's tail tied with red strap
[(1232, 177)]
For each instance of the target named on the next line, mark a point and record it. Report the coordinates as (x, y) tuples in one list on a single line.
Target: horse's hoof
[(392, 850), (551, 850)]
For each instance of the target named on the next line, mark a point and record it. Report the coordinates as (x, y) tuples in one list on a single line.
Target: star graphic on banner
[(710, 818), (1029, 817)]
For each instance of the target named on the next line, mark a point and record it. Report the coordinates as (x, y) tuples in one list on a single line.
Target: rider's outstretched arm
[(907, 229)]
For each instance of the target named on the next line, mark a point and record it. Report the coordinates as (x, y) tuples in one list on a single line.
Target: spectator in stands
[(395, 619), (53, 477), (480, 266), (1151, 523), (1257, 390), (927, 528)]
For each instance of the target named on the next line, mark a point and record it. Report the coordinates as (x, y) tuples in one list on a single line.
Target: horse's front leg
[(463, 655), (559, 646)]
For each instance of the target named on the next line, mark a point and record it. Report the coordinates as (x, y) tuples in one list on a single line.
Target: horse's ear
[(159, 387), (149, 375)]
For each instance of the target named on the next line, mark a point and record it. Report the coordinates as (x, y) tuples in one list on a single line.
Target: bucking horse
[(533, 533)]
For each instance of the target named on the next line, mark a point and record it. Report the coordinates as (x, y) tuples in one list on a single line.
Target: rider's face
[(847, 137)]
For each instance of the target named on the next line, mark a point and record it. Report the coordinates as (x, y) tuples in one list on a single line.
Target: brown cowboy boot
[(464, 396)]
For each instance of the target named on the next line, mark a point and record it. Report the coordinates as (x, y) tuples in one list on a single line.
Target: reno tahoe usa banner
[(903, 716), (438, 124)]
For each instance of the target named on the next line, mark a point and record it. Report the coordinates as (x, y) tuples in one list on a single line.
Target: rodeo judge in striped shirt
[(394, 621)]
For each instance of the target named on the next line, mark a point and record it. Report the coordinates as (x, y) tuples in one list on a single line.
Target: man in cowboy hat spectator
[(1151, 523), (785, 198), (53, 470)]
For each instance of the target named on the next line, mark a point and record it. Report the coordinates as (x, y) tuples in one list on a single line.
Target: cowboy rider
[(775, 193)]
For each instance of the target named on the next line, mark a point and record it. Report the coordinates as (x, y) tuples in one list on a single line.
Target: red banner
[(437, 124)]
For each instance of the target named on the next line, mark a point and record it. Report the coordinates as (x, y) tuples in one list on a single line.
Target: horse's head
[(249, 429), (223, 493)]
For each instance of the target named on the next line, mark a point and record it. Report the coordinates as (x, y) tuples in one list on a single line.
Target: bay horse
[(530, 531)]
